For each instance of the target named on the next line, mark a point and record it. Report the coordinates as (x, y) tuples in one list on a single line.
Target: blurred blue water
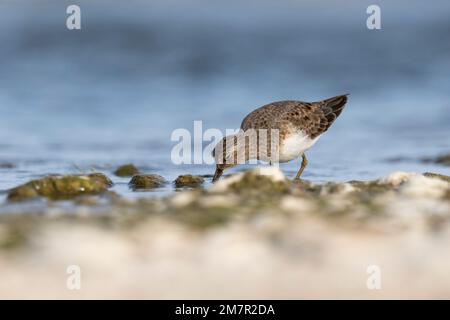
[(113, 92)]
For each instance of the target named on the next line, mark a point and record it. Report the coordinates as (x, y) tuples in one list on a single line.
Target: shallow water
[(112, 93)]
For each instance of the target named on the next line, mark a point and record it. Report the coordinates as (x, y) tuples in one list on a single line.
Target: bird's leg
[(217, 174), (302, 167)]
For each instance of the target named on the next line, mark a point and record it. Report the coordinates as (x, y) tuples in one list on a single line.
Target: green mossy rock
[(103, 178), (127, 170), (188, 181), (61, 187), (437, 176), (260, 185), (148, 181), (371, 187)]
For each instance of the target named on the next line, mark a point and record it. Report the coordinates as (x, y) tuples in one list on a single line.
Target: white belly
[(295, 145)]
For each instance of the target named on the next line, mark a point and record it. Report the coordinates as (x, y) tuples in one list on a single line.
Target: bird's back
[(312, 118)]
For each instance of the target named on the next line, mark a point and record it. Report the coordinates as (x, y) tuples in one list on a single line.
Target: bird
[(278, 132)]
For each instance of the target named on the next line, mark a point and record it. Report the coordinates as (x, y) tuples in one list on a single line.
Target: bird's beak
[(217, 174)]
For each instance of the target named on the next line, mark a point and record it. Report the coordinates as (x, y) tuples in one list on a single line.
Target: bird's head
[(225, 155)]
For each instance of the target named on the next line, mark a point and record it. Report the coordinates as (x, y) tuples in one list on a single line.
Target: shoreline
[(254, 234)]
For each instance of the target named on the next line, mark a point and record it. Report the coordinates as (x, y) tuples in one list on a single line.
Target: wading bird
[(290, 128)]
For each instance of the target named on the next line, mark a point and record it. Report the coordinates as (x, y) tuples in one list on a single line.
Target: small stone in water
[(61, 187), (127, 170), (148, 181), (188, 181)]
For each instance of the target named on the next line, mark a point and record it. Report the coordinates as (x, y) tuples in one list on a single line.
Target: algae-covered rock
[(437, 176), (148, 181), (61, 187), (102, 178), (127, 170), (372, 187), (262, 182), (25, 192), (337, 188), (188, 181)]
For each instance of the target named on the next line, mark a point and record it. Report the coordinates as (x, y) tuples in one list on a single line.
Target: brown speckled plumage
[(312, 118)]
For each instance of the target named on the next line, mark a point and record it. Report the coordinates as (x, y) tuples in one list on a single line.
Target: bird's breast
[(294, 145)]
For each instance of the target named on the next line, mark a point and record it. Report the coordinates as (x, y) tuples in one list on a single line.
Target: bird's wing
[(315, 118)]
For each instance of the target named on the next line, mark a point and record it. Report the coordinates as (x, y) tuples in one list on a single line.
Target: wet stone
[(127, 170), (437, 176), (259, 184), (102, 178), (371, 187), (188, 181), (61, 187), (148, 181)]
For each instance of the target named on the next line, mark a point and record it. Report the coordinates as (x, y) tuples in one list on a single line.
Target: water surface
[(112, 93)]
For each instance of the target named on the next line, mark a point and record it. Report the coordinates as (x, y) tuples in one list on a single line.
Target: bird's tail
[(333, 107)]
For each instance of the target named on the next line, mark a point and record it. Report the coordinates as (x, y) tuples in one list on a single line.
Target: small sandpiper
[(298, 125)]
